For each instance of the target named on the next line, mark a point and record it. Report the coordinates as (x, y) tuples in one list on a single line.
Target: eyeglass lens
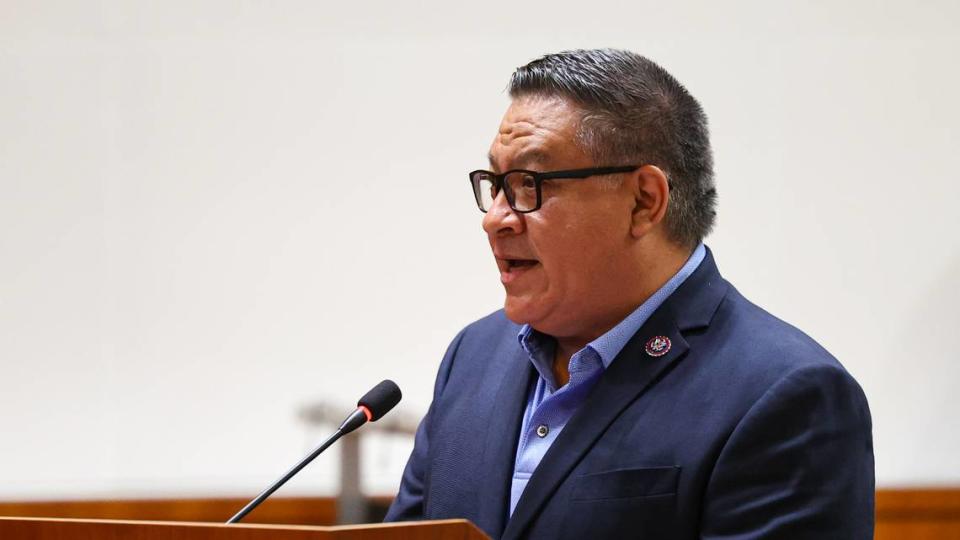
[(519, 187)]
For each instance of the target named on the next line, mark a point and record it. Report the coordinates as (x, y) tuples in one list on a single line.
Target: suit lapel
[(627, 378), (503, 435)]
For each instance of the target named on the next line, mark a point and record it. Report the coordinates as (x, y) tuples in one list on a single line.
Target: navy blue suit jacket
[(745, 429)]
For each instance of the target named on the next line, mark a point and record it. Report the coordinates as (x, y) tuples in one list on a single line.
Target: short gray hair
[(635, 113)]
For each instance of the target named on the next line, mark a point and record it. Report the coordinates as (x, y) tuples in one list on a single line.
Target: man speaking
[(626, 390)]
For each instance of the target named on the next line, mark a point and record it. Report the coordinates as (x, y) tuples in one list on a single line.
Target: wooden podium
[(13, 528)]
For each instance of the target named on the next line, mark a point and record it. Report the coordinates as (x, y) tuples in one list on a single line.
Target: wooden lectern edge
[(247, 525), (402, 523)]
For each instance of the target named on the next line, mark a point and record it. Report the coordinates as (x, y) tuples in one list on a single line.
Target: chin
[(522, 310), (512, 313)]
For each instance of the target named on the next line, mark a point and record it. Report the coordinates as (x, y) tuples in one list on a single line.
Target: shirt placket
[(551, 413)]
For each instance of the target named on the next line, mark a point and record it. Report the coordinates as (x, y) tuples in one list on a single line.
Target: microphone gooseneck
[(370, 408)]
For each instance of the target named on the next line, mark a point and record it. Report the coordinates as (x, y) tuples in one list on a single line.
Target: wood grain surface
[(68, 529), (902, 514)]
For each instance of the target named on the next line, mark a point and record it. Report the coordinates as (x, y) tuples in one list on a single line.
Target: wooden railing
[(902, 514), (918, 514), (278, 510)]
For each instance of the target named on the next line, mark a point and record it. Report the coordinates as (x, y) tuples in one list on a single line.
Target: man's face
[(563, 264)]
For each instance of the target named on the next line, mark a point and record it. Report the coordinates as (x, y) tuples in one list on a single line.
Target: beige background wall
[(212, 214)]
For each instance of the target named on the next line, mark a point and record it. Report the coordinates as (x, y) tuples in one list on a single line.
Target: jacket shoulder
[(765, 341), (481, 348)]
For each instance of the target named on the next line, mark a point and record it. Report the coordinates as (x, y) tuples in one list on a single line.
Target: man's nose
[(500, 219)]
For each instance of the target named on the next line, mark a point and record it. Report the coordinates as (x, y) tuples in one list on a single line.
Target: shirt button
[(542, 430)]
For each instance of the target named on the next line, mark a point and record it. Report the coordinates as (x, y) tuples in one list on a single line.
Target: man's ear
[(651, 190)]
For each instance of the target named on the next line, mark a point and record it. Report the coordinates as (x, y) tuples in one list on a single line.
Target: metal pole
[(351, 505)]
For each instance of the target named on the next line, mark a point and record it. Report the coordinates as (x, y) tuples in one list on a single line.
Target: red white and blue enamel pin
[(658, 346)]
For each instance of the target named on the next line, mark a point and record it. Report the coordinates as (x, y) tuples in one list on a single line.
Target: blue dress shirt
[(550, 408)]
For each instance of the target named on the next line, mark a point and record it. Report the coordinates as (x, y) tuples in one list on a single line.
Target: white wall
[(211, 215)]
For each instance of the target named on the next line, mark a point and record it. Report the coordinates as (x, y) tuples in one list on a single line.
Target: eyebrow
[(524, 157)]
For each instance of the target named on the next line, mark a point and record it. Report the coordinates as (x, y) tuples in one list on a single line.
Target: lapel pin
[(658, 346)]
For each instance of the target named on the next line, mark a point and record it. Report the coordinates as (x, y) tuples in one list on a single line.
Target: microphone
[(370, 408)]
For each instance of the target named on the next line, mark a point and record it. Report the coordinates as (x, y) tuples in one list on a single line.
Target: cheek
[(575, 241), (582, 255), (563, 256)]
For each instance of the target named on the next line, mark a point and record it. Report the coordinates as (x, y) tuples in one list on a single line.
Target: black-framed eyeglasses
[(523, 188)]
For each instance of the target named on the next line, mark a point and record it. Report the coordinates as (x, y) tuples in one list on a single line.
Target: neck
[(654, 276)]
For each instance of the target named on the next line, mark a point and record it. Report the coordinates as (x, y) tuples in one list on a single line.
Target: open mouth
[(511, 269), (516, 264)]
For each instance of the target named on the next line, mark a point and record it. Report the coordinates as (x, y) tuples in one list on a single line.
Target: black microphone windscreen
[(380, 399)]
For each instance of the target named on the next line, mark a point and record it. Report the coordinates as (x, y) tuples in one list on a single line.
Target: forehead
[(536, 130)]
